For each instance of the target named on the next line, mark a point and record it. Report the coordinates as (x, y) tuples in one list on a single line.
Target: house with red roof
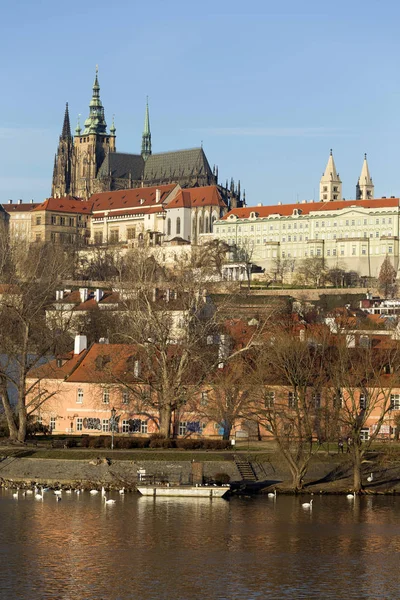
[(355, 235), (61, 220), (153, 215), (19, 219)]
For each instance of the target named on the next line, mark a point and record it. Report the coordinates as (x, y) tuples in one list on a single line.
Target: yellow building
[(61, 220)]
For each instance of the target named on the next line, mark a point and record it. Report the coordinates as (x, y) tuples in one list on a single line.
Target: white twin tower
[(330, 187)]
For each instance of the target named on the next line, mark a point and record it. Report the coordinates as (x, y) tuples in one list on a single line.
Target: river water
[(181, 549)]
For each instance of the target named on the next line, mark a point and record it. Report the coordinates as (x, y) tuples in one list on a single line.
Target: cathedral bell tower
[(91, 145), (63, 160), (365, 187), (330, 186)]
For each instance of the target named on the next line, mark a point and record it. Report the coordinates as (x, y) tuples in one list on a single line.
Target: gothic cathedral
[(88, 163)]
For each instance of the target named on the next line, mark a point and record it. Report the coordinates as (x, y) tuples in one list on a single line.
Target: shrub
[(216, 444), (190, 444), (131, 442), (71, 443), (84, 441), (221, 478), (94, 442), (162, 443)]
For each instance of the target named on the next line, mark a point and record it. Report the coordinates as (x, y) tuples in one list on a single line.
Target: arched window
[(201, 225), (169, 227), (178, 226), (206, 228)]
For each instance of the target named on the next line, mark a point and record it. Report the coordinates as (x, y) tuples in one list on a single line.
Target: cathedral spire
[(146, 137), (62, 170), (66, 130), (96, 122), (365, 187), (330, 187)]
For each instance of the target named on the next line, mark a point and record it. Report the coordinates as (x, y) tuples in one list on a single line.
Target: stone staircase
[(245, 468)]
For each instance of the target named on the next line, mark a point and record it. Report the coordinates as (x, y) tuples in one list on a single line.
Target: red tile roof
[(200, 196), (143, 210), (132, 198), (286, 210), (74, 297), (114, 365), (68, 204), (27, 207)]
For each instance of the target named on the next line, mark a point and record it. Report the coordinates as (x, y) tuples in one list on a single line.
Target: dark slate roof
[(175, 165), (122, 166)]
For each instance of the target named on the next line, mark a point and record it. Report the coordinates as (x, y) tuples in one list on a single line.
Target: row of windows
[(139, 425), (292, 399), (125, 396), (317, 225), (178, 226)]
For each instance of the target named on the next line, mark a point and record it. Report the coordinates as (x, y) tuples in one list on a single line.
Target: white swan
[(122, 491), (370, 478), (307, 504), (110, 501), (68, 491), (93, 492), (350, 496), (15, 495), (58, 492), (272, 494), (39, 496), (29, 492)]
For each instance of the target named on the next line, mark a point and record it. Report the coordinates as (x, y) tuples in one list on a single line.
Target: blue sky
[(269, 87)]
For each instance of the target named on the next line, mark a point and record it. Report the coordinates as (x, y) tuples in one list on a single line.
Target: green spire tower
[(146, 137), (92, 143), (95, 123)]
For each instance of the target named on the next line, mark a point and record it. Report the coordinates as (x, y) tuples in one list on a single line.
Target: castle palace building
[(88, 163)]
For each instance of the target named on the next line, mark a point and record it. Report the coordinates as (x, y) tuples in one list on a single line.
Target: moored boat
[(186, 491)]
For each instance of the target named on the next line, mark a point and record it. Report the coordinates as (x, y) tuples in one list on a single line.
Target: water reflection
[(188, 548)]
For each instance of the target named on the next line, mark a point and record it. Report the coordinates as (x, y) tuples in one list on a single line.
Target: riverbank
[(327, 474)]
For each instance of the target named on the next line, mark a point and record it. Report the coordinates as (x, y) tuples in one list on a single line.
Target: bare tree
[(311, 270), (226, 397), (281, 267), (25, 339), (289, 383), (364, 377), (211, 256)]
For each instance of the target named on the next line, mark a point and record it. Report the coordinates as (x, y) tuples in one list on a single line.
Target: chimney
[(158, 195), (10, 202), (223, 350), (32, 201), (20, 201), (80, 344), (98, 295), (136, 368), (84, 293)]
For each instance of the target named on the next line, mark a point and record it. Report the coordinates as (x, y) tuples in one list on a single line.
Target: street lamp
[(112, 425)]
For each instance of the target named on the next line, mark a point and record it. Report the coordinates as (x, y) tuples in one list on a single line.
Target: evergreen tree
[(387, 279)]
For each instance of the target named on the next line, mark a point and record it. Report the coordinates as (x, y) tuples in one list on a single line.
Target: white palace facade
[(355, 235)]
